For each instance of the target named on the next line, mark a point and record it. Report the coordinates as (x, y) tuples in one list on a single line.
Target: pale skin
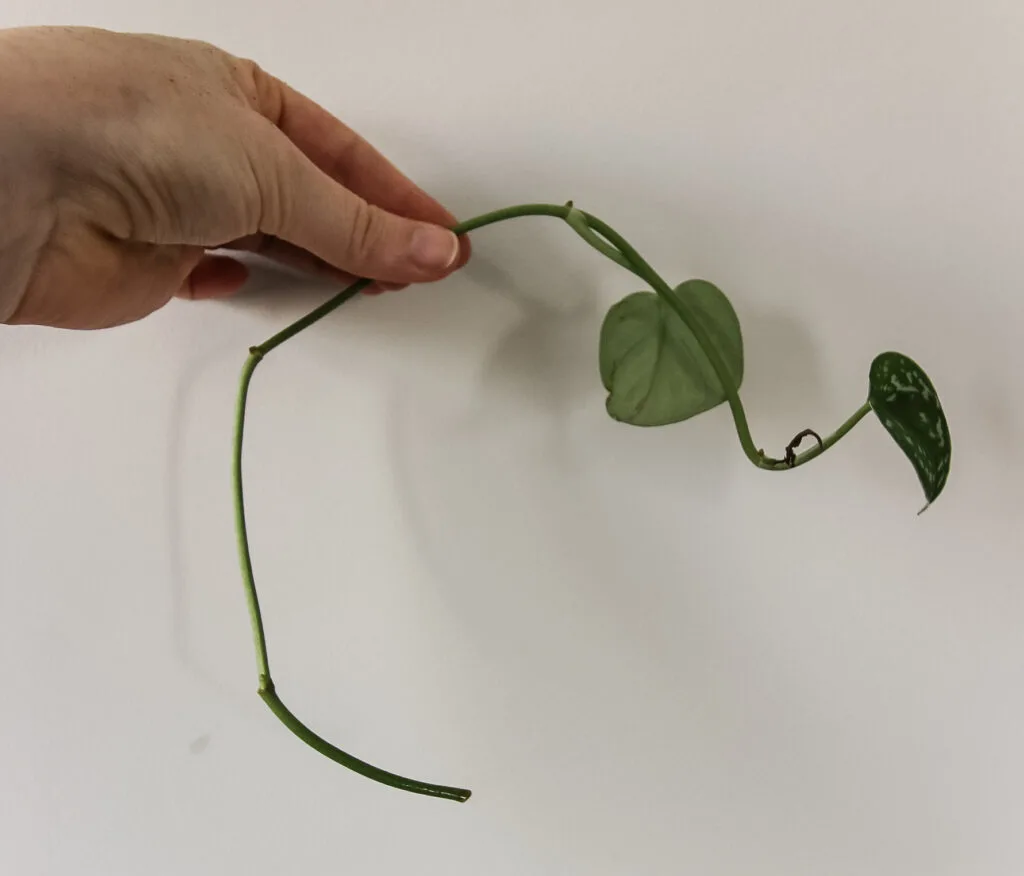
[(125, 159)]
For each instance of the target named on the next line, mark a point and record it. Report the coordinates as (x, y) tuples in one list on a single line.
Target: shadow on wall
[(534, 432), (537, 383), (506, 489), (518, 443), (784, 390)]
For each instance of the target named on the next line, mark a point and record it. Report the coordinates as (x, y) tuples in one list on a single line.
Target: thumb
[(304, 206)]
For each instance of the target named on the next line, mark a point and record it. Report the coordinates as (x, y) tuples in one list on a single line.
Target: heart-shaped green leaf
[(654, 369), (907, 404)]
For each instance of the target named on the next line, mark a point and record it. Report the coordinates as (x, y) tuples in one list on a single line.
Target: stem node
[(790, 456)]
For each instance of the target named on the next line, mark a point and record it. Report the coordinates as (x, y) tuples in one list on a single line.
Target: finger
[(345, 156), (304, 206), (94, 281), (213, 277), (291, 256)]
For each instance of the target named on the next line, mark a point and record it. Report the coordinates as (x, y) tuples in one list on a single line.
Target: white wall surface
[(642, 654)]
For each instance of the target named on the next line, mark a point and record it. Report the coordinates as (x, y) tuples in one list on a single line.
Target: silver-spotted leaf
[(908, 406), (654, 369)]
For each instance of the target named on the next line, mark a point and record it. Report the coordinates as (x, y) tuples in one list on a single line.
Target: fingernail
[(434, 248)]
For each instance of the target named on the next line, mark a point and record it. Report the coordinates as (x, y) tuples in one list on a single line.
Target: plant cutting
[(665, 354)]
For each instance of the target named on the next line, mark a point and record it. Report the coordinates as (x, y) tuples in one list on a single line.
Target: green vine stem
[(612, 245), (807, 456), (267, 691)]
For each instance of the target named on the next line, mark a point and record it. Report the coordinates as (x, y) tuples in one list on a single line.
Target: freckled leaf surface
[(654, 369), (906, 402)]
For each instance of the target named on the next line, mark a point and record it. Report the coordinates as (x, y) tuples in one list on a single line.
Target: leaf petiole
[(578, 222), (770, 464)]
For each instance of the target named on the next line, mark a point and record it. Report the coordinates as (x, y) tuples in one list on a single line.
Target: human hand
[(125, 158)]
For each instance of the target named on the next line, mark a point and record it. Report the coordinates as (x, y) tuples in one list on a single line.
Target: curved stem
[(611, 244), (266, 689), (578, 222), (673, 300), (642, 269), (270, 697), (259, 637), (818, 449)]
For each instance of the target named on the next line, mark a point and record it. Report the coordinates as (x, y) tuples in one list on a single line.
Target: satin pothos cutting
[(665, 354)]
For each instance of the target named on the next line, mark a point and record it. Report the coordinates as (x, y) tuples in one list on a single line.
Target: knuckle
[(366, 232), (260, 90), (270, 172)]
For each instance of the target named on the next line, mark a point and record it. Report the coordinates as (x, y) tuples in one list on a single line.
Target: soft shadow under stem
[(612, 245)]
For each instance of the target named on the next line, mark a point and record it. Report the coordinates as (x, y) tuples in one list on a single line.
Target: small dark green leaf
[(907, 404), (651, 364)]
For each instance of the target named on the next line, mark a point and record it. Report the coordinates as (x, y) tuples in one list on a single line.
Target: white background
[(642, 654)]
